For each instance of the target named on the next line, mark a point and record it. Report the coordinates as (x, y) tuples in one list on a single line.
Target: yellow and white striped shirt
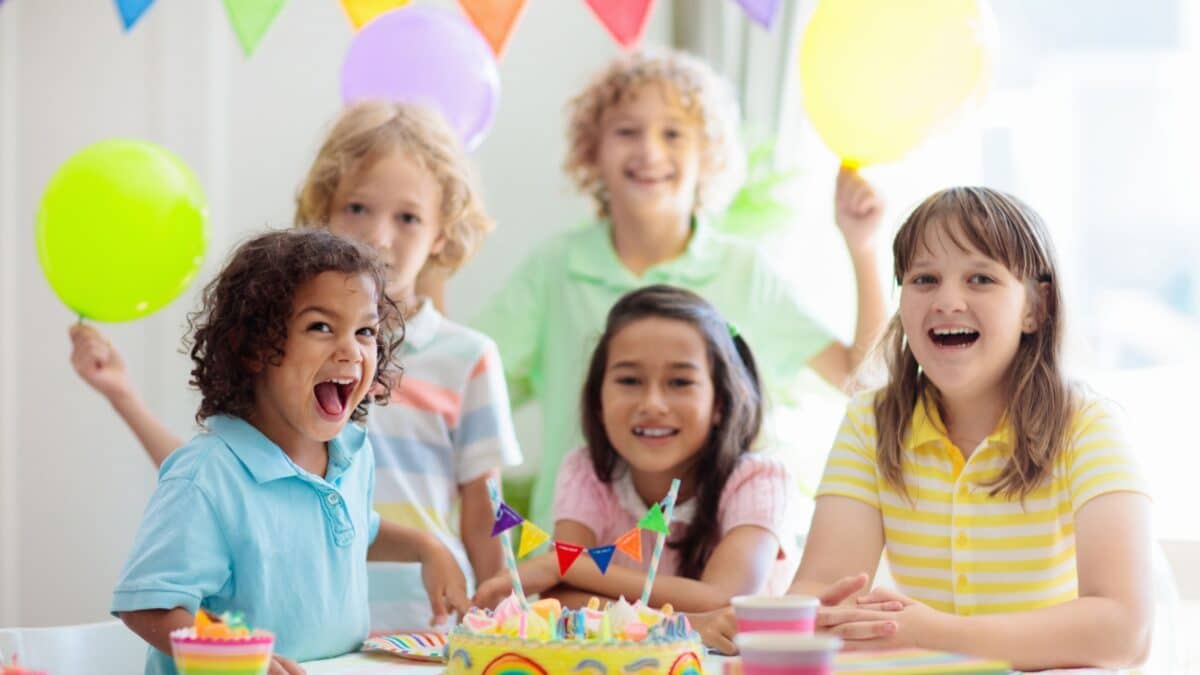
[(955, 547)]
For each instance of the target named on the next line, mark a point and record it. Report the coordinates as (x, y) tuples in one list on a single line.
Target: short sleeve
[(514, 318), (485, 439), (1099, 458), (851, 470), (787, 336), (179, 556), (578, 493), (760, 492)]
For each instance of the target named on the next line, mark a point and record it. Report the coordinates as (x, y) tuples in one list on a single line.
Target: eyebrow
[(686, 365), (371, 317)]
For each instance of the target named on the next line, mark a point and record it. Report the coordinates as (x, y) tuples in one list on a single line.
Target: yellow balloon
[(877, 76)]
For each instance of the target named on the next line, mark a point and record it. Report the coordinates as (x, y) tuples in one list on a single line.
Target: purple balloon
[(429, 56)]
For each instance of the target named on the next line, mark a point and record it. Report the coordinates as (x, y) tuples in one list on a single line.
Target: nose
[(380, 233), (347, 349), (653, 399), (652, 147), (949, 298)]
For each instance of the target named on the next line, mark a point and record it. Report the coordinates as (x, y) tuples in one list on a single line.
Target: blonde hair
[(699, 91), (1041, 401), (366, 131)]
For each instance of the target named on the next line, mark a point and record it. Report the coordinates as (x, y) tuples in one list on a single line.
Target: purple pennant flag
[(602, 555), (132, 10), (762, 11), (506, 519)]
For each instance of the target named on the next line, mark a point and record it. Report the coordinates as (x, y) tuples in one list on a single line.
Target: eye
[(981, 279), (626, 131), (627, 380), (409, 218), (356, 208), (673, 134), (681, 382), (320, 327), (922, 279), (368, 331)]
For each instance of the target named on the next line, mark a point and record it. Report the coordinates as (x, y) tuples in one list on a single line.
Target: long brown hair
[(1040, 399), (738, 396)]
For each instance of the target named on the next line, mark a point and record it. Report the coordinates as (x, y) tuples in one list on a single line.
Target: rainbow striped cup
[(775, 613), (250, 655), (787, 653)]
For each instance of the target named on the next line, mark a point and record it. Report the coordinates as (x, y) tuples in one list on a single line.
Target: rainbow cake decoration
[(546, 639), (222, 645)]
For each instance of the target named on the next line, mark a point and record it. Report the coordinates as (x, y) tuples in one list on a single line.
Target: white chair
[(107, 648)]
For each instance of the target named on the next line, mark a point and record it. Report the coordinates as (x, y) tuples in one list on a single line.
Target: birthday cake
[(546, 639)]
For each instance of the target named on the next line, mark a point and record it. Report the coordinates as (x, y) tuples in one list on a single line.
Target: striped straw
[(658, 543), (510, 561)]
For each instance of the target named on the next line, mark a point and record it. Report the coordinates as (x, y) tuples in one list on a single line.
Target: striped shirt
[(447, 424), (955, 547)]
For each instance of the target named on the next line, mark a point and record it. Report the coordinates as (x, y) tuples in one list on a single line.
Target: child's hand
[(858, 209), (716, 629), (444, 581), (284, 666), (881, 619), (536, 578), (99, 363)]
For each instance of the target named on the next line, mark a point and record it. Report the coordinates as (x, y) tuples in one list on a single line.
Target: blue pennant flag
[(132, 10), (602, 555)]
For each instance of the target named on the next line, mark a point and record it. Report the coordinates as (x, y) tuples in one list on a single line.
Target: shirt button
[(962, 538), (964, 491), (332, 498), (962, 580)]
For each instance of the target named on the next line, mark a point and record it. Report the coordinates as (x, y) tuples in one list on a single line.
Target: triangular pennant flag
[(762, 11), (251, 19), (132, 10), (602, 555), (630, 544), (532, 537), (360, 12), (567, 554), (495, 19), (654, 520), (624, 19), (506, 519)]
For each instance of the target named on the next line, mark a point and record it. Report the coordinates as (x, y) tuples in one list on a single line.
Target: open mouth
[(647, 179), (333, 396), (953, 337), (654, 432)]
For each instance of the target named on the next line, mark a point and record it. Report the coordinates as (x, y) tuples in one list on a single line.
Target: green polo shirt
[(547, 318)]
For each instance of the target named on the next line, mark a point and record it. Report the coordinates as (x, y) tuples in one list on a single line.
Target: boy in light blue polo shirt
[(268, 512)]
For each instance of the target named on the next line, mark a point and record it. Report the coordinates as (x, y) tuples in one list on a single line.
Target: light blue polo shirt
[(236, 525)]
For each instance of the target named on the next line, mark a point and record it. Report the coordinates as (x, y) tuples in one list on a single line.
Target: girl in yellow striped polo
[(1014, 518)]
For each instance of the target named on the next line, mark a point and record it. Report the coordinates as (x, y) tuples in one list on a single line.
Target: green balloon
[(121, 230)]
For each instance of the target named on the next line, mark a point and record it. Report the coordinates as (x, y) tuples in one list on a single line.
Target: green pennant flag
[(251, 19), (654, 520)]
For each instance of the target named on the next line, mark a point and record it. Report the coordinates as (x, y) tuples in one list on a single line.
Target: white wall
[(73, 482)]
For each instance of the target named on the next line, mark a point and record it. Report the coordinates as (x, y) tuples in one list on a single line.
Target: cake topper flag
[(132, 10), (660, 540), (602, 555), (762, 11), (251, 19), (361, 12), (532, 537), (624, 19), (510, 562), (630, 544), (654, 521), (567, 554), (495, 19), (506, 519)]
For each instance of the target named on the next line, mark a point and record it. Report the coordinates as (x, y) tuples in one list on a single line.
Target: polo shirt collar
[(595, 258), (927, 427), (420, 328), (267, 462)]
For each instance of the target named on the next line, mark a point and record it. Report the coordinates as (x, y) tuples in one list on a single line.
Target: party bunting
[(532, 537), (495, 19), (763, 12), (251, 19), (630, 544), (132, 10), (654, 520), (624, 19), (360, 12), (567, 554), (602, 555), (506, 519)]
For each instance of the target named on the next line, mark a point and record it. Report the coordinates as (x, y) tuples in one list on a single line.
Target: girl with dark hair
[(671, 392)]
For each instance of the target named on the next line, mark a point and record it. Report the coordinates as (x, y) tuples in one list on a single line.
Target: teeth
[(340, 380), (652, 433), (953, 331)]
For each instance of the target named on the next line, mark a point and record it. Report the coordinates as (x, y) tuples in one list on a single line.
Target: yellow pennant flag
[(532, 537), (362, 11)]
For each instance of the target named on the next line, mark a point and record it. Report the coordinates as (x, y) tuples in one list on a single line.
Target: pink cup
[(775, 614), (787, 653)]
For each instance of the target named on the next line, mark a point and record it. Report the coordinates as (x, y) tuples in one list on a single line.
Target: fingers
[(843, 588), (721, 643), (284, 666), (437, 603), (830, 617), (865, 630), (883, 595), (457, 595), (885, 606)]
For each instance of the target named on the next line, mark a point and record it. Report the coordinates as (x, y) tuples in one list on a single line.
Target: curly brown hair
[(242, 322)]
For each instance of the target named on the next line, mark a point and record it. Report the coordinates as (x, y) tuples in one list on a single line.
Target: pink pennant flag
[(624, 19)]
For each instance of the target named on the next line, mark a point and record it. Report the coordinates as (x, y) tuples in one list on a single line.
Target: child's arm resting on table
[(155, 626), (444, 581)]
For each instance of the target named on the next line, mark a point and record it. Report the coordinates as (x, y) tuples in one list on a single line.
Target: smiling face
[(657, 397), (394, 205), (328, 362), (963, 315), (648, 156)]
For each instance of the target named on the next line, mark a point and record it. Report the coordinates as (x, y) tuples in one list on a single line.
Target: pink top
[(759, 492)]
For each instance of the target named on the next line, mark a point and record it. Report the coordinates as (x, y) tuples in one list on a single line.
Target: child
[(394, 176), (1013, 515), (654, 140), (268, 511), (671, 392)]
